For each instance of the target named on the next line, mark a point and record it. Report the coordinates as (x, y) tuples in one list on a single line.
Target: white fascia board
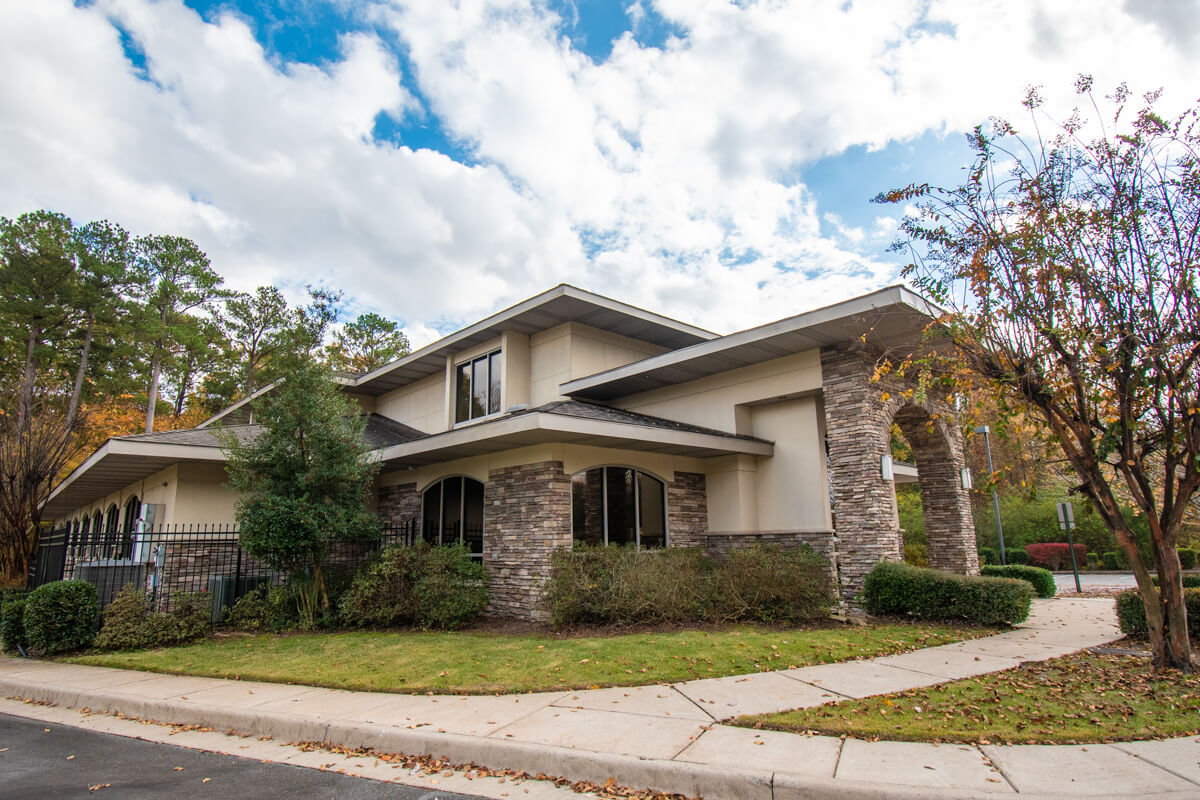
[(892, 295), (500, 317)]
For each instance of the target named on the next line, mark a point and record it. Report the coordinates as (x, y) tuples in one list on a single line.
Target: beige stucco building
[(571, 417)]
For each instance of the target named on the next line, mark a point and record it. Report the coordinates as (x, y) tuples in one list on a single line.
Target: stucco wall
[(421, 404), (792, 491), (717, 400), (572, 350), (192, 494)]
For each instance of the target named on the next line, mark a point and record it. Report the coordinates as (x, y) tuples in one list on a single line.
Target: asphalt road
[(35, 763)]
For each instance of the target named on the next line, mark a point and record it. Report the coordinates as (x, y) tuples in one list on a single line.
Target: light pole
[(987, 444)]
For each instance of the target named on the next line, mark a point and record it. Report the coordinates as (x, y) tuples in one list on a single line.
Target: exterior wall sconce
[(885, 468), (967, 483)]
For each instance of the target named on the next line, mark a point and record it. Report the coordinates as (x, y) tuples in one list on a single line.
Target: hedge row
[(1131, 613), (903, 590), (430, 587), (1012, 555), (1042, 580), (624, 586), (131, 624)]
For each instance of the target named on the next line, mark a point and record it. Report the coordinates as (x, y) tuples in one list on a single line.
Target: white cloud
[(673, 168)]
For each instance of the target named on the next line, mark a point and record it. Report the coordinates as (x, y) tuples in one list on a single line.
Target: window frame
[(637, 505), (491, 362), (440, 485)]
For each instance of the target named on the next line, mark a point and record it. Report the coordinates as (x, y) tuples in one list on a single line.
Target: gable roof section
[(892, 313), (561, 304)]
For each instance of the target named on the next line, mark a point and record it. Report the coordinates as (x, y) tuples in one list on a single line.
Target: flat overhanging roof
[(540, 427), (561, 304), (115, 465), (892, 314)]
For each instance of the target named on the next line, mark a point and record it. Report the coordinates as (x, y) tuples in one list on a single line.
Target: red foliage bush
[(1055, 555)]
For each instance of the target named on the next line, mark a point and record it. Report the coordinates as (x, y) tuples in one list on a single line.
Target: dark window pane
[(462, 397), (496, 369), (479, 387), (451, 510), (431, 517), (587, 507), (473, 515), (651, 513), (620, 506)]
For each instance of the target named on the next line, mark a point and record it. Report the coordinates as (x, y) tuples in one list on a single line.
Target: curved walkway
[(669, 737)]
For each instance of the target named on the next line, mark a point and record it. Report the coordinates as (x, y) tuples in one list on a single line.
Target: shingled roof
[(380, 432), (583, 410)]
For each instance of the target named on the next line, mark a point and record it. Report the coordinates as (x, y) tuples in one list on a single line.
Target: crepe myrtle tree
[(304, 481), (1067, 266)]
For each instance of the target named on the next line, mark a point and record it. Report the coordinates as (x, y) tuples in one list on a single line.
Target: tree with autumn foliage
[(1067, 265)]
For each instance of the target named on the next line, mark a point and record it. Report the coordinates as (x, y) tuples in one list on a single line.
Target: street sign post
[(1066, 521)]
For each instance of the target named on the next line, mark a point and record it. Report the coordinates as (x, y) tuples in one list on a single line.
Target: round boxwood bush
[(1042, 580), (61, 616), (12, 624)]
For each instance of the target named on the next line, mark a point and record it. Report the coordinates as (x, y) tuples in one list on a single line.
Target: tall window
[(618, 505), (133, 510), (112, 521), (477, 393), (453, 512)]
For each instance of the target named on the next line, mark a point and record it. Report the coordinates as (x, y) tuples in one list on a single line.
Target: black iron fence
[(181, 558)]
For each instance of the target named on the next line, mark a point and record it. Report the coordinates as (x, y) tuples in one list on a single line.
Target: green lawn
[(1075, 699), (484, 663)]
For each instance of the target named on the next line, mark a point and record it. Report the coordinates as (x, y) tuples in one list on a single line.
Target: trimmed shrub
[(904, 590), (916, 554), (766, 584), (1187, 558), (12, 624), (1016, 555), (1055, 555), (626, 586), (1131, 613), (1093, 561), (987, 555), (1112, 561), (431, 587), (61, 616), (1042, 580), (131, 624), (265, 608)]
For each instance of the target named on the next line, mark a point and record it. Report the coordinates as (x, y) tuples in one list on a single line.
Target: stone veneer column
[(687, 510), (526, 517), (857, 424), (399, 503)]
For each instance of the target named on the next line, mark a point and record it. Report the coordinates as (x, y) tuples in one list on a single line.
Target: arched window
[(618, 505), (97, 522), (129, 523), (75, 526), (452, 511), (112, 521), (133, 510)]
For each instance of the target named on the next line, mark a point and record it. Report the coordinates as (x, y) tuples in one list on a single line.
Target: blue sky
[(439, 159)]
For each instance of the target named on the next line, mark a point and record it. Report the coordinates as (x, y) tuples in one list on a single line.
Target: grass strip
[(491, 663), (1081, 698)]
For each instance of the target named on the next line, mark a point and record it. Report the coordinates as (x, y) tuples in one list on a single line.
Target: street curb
[(686, 778)]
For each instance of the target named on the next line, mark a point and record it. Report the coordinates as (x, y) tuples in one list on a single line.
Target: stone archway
[(858, 417), (937, 450)]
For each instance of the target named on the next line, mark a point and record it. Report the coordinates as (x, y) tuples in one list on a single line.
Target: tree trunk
[(152, 392), (1176, 651), (77, 389), (28, 375)]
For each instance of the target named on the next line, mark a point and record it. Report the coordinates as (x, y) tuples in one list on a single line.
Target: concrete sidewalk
[(669, 737)]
